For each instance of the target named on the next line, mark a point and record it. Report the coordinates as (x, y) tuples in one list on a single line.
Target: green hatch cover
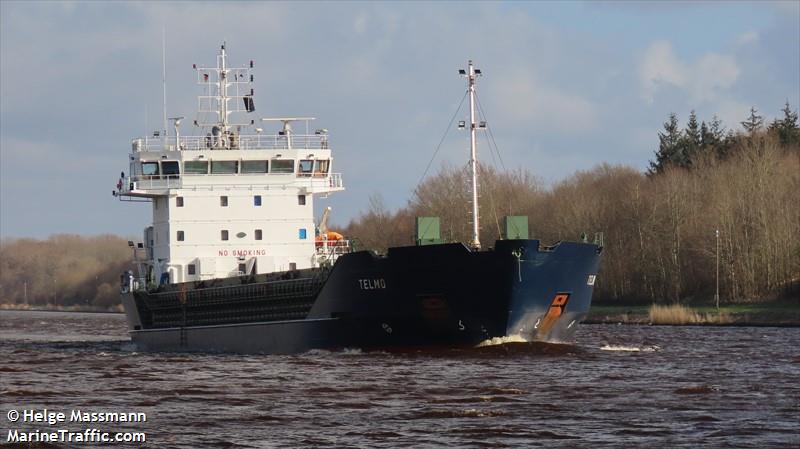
[(516, 227), (427, 232)]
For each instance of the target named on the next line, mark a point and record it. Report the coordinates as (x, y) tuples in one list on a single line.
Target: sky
[(566, 85)]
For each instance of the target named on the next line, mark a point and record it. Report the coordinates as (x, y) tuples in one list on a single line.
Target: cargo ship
[(234, 260)]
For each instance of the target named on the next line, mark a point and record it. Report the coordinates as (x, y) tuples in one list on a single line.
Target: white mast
[(223, 89), (471, 74), (224, 84), (164, 77)]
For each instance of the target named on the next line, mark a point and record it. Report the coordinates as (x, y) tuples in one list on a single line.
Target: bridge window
[(223, 201), (321, 166), (224, 234), (257, 200), (258, 234), (149, 168), (179, 201), (224, 167), (283, 166), (301, 200), (305, 167), (180, 236), (302, 234), (195, 167), (255, 167), (170, 169)]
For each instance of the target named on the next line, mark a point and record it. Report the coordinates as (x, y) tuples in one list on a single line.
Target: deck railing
[(233, 142), (330, 250), (165, 182)]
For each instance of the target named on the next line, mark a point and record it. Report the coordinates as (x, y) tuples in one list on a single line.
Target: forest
[(63, 270), (709, 195), (712, 197)]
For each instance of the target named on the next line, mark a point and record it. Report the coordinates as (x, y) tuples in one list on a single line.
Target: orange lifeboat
[(330, 236)]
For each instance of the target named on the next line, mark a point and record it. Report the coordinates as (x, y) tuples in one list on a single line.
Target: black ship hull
[(434, 295)]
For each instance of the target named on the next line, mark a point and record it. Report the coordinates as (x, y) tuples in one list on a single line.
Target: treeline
[(660, 228), (684, 148), (62, 271)]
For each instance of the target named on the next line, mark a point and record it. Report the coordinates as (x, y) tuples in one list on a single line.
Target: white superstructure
[(231, 200)]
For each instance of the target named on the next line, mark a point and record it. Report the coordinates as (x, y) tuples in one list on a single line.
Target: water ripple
[(617, 386)]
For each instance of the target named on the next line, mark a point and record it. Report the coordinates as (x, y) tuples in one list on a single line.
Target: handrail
[(233, 142), (161, 182)]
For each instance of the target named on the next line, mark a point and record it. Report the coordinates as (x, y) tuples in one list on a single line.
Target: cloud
[(360, 23), (711, 76), (747, 38), (658, 67), (788, 7), (705, 79), (562, 89), (522, 99), (731, 112)]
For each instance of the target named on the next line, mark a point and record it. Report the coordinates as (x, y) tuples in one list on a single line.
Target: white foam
[(622, 348), (516, 338)]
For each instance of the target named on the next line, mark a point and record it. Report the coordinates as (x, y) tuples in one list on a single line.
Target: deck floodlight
[(477, 71), (462, 124), (462, 72), (259, 130), (130, 243), (177, 120), (482, 124)]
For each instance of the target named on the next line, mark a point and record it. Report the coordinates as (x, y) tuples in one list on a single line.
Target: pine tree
[(754, 122), (721, 141), (691, 141), (706, 137), (669, 151), (717, 130), (787, 129), (789, 117), (693, 130)]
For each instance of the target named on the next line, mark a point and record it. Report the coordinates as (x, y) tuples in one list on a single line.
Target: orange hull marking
[(554, 312)]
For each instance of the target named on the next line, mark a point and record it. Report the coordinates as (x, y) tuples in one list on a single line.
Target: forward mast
[(471, 74)]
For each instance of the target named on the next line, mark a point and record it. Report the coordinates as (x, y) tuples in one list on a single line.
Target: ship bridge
[(231, 199), (243, 162)]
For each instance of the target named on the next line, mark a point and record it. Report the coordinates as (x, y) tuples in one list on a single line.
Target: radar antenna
[(223, 84)]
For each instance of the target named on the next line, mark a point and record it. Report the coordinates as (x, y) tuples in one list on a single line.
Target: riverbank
[(774, 313), (783, 313), (52, 308)]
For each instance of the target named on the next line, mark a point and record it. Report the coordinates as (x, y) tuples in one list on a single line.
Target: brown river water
[(616, 386)]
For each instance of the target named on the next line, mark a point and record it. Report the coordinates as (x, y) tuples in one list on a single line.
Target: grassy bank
[(71, 308), (776, 313)]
